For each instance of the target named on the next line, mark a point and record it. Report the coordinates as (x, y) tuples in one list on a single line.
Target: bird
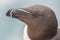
[(41, 22)]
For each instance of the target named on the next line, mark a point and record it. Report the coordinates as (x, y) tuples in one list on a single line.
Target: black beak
[(17, 13), (8, 12)]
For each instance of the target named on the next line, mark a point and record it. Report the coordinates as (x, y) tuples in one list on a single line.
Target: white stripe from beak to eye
[(25, 11), (20, 10)]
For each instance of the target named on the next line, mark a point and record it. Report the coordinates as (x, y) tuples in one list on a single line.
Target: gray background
[(12, 29)]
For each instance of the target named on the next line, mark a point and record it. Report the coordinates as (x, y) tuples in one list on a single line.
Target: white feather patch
[(25, 34)]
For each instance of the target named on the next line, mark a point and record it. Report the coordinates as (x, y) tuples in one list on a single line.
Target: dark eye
[(35, 15), (41, 15)]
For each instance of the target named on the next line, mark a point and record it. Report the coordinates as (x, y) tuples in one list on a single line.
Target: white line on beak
[(11, 13)]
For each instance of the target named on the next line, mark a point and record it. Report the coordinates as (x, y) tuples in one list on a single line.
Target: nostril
[(8, 12)]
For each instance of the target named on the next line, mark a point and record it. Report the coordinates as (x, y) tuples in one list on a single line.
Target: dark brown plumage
[(42, 22)]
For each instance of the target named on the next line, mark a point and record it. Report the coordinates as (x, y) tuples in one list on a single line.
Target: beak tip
[(8, 12)]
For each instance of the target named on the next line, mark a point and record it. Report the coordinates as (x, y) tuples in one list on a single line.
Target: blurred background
[(12, 29)]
